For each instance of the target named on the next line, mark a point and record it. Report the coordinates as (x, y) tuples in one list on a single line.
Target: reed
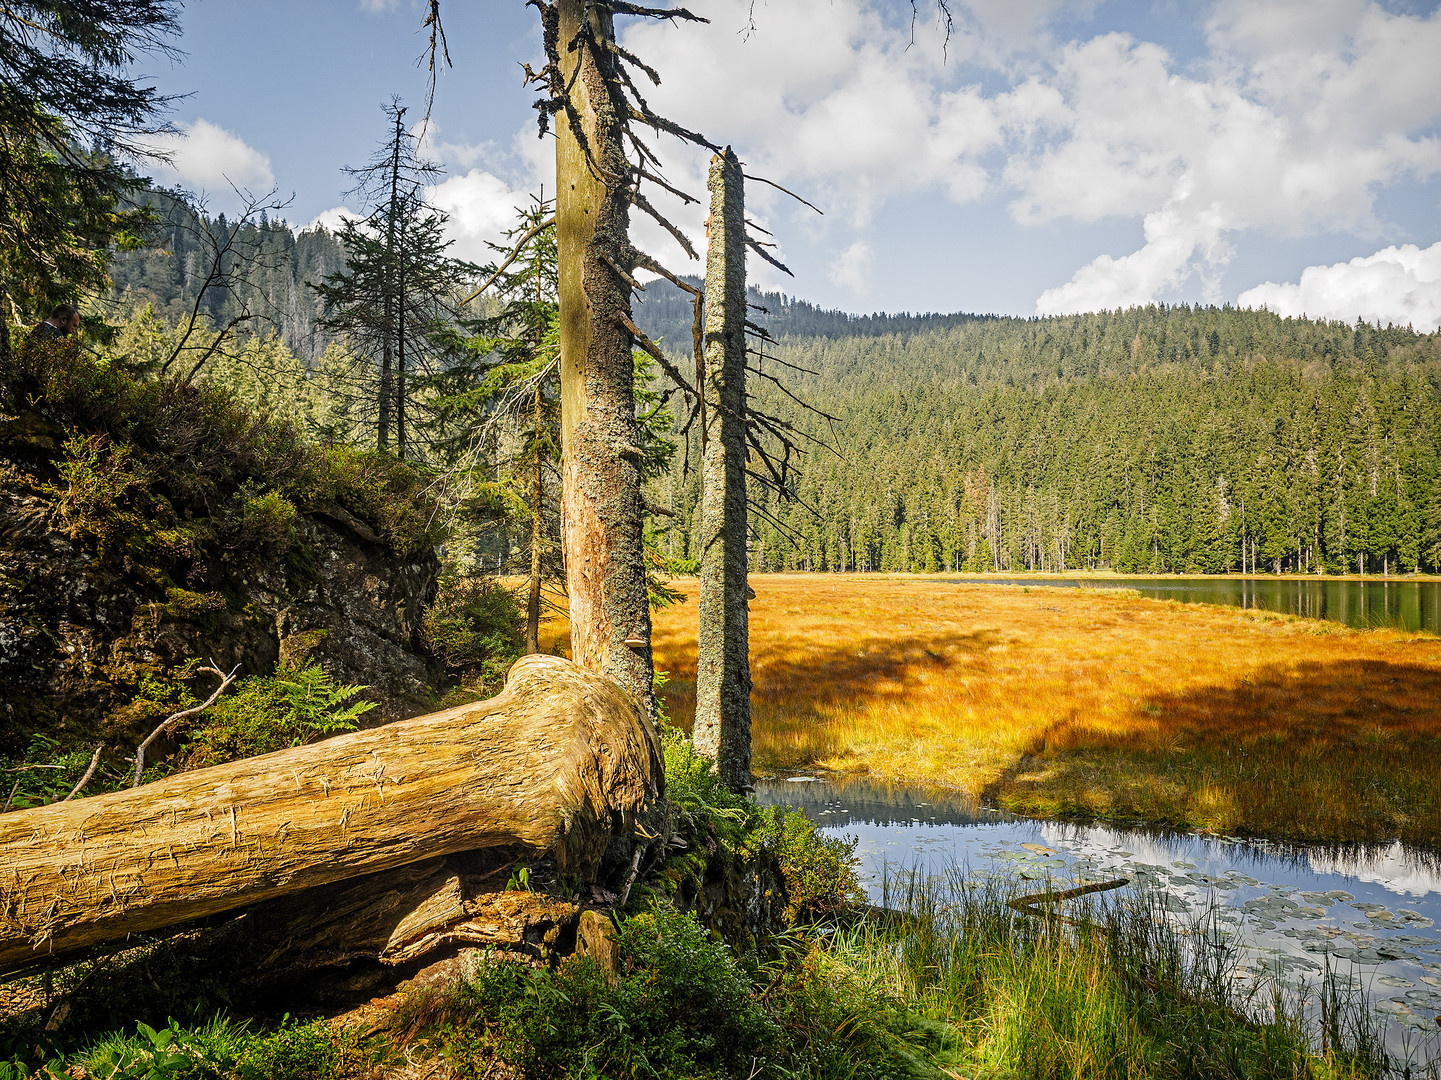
[(1089, 702), (1105, 989)]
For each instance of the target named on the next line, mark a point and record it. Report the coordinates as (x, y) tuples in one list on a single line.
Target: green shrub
[(260, 522), (819, 871), (299, 704), (681, 1005), (475, 628), (218, 1048), (103, 492)]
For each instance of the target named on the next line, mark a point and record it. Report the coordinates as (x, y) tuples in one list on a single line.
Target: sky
[(1048, 157)]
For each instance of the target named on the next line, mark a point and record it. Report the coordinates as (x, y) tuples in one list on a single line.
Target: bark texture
[(560, 761), (601, 507), (723, 675)]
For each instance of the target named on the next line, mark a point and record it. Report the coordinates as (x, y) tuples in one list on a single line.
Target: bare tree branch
[(530, 235), (89, 772), (787, 191), (174, 718)]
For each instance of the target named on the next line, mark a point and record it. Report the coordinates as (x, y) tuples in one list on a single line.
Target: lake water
[(1409, 605), (1373, 913)]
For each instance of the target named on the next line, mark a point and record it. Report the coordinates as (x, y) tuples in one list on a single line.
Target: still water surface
[(1372, 914), (1408, 605)]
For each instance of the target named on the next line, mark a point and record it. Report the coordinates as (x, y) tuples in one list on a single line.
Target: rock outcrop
[(89, 617)]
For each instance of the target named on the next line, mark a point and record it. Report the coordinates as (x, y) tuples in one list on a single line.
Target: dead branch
[(637, 199), (677, 192), (755, 246), (787, 191), (641, 259), (511, 257), (174, 718), (654, 351), (659, 123), (89, 772), (620, 7), (620, 273)]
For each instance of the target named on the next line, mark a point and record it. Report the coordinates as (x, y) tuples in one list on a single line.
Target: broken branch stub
[(561, 761)]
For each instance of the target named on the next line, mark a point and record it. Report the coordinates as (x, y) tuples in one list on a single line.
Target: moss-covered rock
[(145, 524)]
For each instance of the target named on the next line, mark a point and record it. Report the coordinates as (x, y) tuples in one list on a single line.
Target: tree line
[(1164, 439)]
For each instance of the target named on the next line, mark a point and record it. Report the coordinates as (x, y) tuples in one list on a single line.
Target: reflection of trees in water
[(1394, 604), (837, 803)]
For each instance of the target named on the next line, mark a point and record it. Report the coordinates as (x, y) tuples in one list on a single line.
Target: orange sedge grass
[(1056, 701)]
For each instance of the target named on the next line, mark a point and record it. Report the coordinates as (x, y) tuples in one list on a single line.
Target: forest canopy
[(1150, 440)]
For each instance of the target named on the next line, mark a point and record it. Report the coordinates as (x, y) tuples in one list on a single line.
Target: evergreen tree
[(394, 303), (70, 114)]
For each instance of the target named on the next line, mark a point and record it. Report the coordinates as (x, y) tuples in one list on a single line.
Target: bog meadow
[(479, 599)]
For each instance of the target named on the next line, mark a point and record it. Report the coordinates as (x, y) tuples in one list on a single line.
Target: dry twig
[(174, 718)]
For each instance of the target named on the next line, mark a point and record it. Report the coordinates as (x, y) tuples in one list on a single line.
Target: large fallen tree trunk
[(561, 761)]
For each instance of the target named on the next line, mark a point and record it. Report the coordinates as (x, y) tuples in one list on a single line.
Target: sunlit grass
[(1075, 701)]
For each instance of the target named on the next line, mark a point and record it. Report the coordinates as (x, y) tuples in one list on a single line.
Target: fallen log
[(559, 762)]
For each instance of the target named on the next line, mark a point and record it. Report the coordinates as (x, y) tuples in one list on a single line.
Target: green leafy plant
[(474, 626), (299, 704)]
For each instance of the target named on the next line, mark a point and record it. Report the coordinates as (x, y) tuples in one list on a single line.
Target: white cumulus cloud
[(852, 270), (481, 207), (1396, 285), (331, 220), (208, 157), (1296, 115)]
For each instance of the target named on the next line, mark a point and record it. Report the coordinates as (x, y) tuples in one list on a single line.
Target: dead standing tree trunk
[(723, 675), (602, 511), (560, 761)]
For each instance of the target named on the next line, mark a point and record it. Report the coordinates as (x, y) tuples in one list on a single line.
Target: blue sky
[(1055, 157)]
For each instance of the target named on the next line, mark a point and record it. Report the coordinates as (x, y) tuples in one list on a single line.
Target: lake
[(1371, 914), (1407, 605)]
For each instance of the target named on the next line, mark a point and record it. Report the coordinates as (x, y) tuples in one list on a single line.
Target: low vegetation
[(1086, 702), (950, 981)]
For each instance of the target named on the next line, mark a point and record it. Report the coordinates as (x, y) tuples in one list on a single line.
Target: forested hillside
[(1156, 439), (275, 264)]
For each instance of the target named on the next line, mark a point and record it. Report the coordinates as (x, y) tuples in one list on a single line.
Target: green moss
[(184, 604)]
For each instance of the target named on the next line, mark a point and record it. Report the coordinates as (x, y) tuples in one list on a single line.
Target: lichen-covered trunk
[(602, 513), (723, 674), (561, 761), (537, 531)]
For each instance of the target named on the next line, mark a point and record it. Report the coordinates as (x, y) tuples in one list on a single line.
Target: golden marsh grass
[(1090, 702)]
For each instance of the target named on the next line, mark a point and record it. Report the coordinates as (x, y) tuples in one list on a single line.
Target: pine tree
[(394, 304), (70, 115)]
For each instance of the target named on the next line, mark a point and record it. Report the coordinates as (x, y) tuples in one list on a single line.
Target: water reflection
[(1369, 913), (1407, 605)]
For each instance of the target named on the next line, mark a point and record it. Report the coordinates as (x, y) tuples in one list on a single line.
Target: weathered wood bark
[(397, 916), (601, 507), (723, 675), (561, 761), (537, 529)]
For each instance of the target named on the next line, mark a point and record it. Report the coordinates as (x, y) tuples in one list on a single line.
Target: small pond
[(1373, 913), (1407, 605)]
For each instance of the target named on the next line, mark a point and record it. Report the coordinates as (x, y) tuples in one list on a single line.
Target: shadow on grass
[(1342, 750), (797, 685)]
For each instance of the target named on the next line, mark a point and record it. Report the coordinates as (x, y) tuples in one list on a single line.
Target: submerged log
[(559, 762)]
